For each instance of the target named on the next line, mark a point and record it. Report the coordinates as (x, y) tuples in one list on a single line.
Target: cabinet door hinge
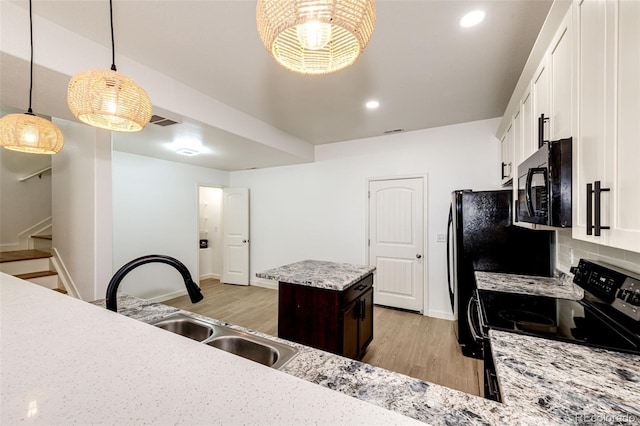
[(369, 243), (368, 194)]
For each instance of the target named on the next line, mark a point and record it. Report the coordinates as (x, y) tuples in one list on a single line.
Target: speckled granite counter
[(320, 274), (566, 383), (542, 381), (560, 286)]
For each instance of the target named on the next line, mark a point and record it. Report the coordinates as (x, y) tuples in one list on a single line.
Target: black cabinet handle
[(541, 120), (594, 208), (589, 209), (502, 173), (597, 191)]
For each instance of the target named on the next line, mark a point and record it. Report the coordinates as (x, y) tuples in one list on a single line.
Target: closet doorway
[(210, 232)]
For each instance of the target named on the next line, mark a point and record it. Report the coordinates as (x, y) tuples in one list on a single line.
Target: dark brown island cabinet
[(340, 322), (325, 305)]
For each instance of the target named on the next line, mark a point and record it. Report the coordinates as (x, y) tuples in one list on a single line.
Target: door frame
[(425, 228)]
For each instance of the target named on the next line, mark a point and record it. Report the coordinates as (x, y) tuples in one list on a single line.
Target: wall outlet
[(441, 238)]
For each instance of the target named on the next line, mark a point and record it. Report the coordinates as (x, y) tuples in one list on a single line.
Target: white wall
[(318, 210), (155, 211), (81, 206), (22, 204), (210, 220)]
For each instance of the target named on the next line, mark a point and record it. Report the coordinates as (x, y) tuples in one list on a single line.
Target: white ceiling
[(424, 68)]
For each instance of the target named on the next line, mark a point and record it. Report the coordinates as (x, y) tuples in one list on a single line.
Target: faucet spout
[(192, 288)]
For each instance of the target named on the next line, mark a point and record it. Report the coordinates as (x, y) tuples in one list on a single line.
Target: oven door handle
[(475, 334)]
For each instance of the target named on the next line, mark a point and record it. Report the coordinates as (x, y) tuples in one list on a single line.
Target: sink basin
[(186, 326), (267, 352), (246, 348)]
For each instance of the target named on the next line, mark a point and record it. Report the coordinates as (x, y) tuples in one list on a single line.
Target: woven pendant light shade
[(109, 100), (30, 133), (295, 32)]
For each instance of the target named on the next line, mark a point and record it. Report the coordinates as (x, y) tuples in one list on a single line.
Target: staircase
[(31, 265)]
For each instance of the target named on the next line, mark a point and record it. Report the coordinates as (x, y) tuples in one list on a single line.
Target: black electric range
[(607, 317), (568, 320)]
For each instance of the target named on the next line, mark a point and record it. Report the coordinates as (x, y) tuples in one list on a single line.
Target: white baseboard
[(260, 282), (168, 296), (207, 276), (440, 314)]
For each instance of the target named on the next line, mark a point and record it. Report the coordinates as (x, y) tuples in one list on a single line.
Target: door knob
[(418, 256)]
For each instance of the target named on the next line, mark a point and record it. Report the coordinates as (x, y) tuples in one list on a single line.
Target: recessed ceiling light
[(472, 18), (372, 104), (187, 151)]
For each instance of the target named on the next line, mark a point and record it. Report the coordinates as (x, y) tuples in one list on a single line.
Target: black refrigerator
[(481, 237)]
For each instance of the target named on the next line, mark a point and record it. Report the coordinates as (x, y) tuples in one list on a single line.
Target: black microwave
[(544, 186)]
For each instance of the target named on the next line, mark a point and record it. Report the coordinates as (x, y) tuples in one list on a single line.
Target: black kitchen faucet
[(192, 288)]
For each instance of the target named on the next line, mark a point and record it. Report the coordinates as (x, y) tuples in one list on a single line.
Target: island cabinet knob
[(418, 256)]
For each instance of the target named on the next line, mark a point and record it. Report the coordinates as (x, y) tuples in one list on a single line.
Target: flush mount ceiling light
[(107, 99), (27, 132), (372, 104), (187, 151), (472, 18), (315, 36)]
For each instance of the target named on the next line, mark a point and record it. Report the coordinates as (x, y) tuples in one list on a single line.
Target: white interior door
[(396, 229), (235, 228)]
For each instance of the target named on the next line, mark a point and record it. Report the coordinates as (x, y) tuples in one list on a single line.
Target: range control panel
[(618, 287)]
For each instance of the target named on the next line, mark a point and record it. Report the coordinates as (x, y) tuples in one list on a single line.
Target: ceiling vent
[(162, 121), (388, 132)]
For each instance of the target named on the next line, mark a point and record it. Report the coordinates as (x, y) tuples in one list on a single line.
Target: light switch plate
[(441, 238)]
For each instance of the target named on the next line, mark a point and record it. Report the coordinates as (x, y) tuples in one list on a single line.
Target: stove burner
[(519, 316)]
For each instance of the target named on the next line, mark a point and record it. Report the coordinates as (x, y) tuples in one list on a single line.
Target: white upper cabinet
[(541, 105), (507, 150), (527, 144), (606, 183), (560, 61)]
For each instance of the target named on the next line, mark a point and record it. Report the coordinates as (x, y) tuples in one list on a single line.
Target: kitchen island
[(326, 305)]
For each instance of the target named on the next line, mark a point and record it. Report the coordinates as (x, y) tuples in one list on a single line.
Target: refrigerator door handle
[(449, 228)]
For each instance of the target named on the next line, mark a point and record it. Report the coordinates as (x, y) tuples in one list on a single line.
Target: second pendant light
[(108, 99)]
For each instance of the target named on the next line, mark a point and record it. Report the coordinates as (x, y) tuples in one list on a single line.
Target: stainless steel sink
[(267, 352), (186, 326)]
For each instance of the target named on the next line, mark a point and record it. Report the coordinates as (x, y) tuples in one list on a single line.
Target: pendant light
[(107, 99), (315, 36), (27, 132)]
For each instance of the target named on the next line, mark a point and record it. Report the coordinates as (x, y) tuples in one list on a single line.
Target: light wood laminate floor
[(404, 342)]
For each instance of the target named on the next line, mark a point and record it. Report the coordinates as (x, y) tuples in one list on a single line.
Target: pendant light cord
[(113, 43), (30, 111)]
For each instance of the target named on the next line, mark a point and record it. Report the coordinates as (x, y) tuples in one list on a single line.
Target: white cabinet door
[(540, 91), (507, 156), (560, 63), (527, 144), (607, 128), (623, 153)]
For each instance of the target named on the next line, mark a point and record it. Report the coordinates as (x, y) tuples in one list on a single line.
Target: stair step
[(38, 274), (60, 290), (43, 237), (13, 256)]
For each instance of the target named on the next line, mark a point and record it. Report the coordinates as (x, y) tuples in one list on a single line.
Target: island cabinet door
[(365, 335), (350, 326)]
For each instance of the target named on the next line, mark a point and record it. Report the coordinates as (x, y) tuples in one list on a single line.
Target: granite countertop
[(64, 361), (319, 274), (542, 381), (560, 286), (566, 383)]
